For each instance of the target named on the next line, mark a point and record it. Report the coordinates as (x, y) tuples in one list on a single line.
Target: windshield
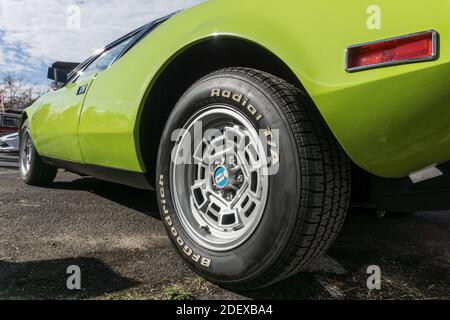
[(135, 36)]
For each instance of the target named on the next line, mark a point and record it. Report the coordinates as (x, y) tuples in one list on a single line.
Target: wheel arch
[(23, 118), (192, 63)]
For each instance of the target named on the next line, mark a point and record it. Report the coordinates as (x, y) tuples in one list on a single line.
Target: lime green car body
[(391, 121)]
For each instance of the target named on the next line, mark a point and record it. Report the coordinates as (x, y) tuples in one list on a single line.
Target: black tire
[(38, 173), (308, 197)]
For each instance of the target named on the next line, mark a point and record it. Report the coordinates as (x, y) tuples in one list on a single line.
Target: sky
[(35, 33)]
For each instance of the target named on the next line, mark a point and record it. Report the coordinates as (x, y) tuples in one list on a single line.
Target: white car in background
[(10, 143)]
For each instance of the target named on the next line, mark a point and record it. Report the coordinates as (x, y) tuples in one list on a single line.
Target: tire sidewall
[(259, 253)]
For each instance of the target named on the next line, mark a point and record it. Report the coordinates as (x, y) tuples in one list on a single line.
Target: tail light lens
[(411, 48)]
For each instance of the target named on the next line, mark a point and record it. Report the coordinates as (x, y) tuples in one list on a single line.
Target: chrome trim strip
[(435, 39)]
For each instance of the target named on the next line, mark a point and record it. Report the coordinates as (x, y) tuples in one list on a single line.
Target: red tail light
[(411, 48)]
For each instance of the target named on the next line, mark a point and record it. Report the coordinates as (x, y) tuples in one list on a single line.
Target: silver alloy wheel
[(221, 191), (25, 153)]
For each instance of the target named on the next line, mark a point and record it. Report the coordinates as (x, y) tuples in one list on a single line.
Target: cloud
[(33, 33), (11, 61), (37, 90)]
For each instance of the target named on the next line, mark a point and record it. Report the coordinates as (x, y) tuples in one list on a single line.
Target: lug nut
[(230, 196)]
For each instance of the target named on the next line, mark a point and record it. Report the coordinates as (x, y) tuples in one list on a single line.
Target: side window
[(10, 122), (104, 60)]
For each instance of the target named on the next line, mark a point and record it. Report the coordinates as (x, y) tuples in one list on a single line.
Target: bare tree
[(16, 95)]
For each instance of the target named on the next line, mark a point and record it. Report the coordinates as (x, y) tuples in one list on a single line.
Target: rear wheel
[(32, 169), (252, 185)]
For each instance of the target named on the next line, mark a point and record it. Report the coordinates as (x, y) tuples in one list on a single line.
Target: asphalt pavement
[(114, 234)]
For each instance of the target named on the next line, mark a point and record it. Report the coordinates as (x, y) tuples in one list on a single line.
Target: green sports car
[(254, 121)]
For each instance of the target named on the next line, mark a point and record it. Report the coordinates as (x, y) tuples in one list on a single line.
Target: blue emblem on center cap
[(221, 177)]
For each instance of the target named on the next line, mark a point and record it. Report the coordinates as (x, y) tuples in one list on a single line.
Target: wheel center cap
[(221, 177)]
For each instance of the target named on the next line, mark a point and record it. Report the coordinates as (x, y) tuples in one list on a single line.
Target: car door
[(59, 114), (57, 121)]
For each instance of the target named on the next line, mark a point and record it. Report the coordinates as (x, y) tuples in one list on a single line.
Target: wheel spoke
[(25, 154), (200, 188), (200, 151), (218, 201), (221, 211)]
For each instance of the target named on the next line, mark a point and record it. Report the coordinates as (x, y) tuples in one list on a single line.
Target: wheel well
[(185, 69), (23, 118)]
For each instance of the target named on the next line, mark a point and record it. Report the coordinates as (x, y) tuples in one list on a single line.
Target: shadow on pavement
[(143, 201), (48, 280), (412, 251)]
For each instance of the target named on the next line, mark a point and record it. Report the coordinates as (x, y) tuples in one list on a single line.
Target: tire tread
[(325, 186)]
